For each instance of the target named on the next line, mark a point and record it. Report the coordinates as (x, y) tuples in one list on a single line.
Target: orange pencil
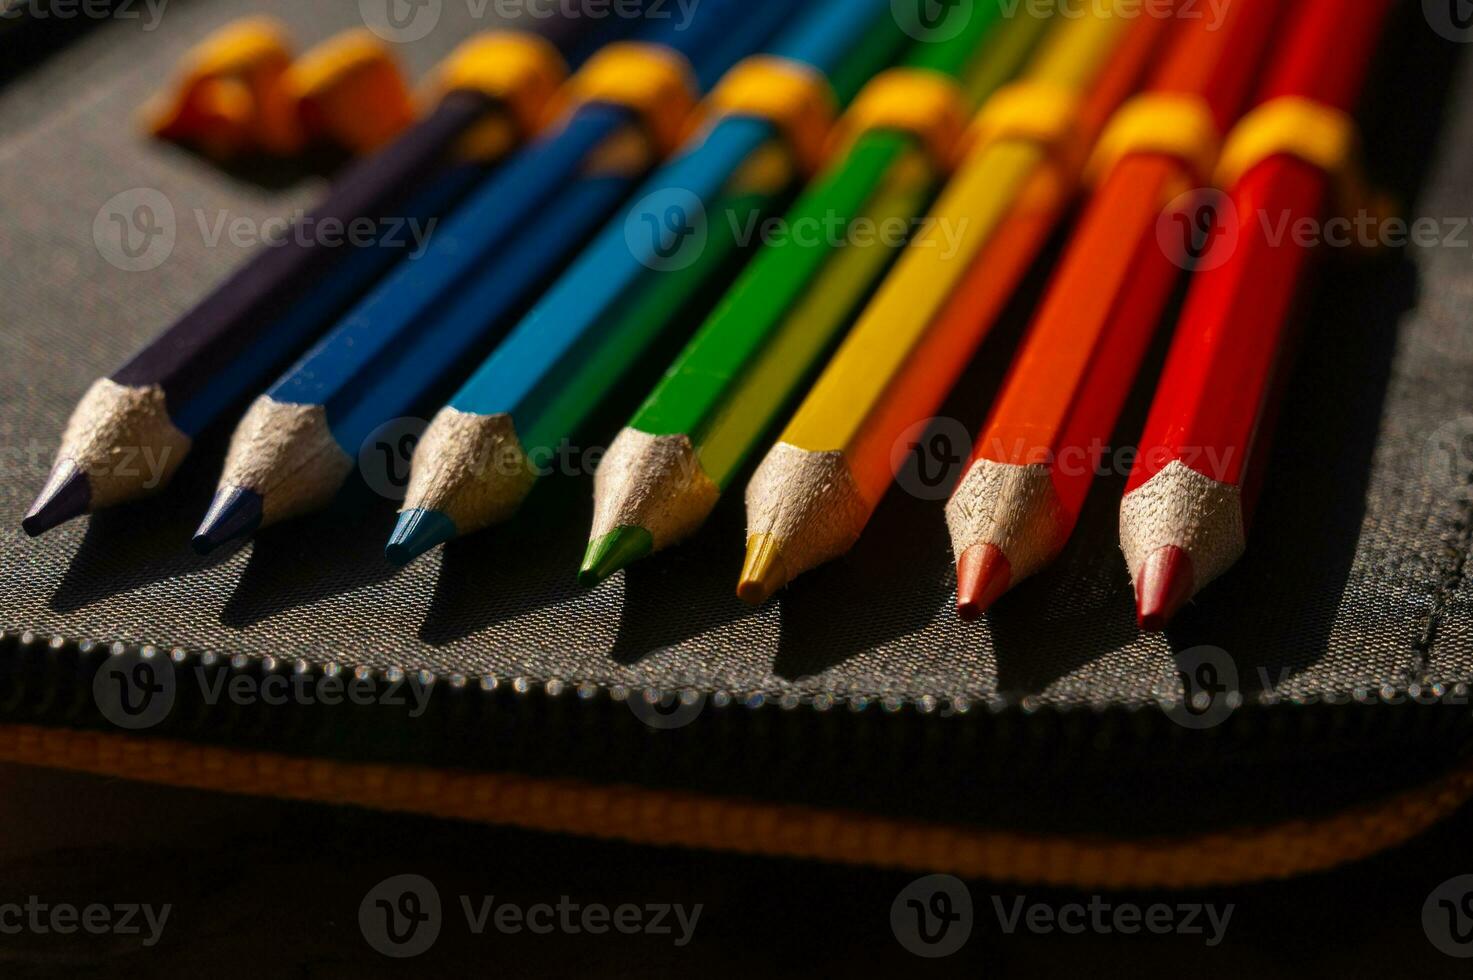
[(1031, 468)]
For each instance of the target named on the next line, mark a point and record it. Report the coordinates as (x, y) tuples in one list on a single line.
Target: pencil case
[(1313, 712)]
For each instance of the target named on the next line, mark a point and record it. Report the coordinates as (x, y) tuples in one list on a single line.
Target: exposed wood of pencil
[(287, 455), (119, 444), (1179, 508), (651, 482), (471, 468)]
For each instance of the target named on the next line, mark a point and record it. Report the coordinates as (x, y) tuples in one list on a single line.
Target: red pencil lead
[(983, 574), (1166, 583)]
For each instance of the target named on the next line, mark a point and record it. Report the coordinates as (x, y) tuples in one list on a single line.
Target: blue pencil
[(477, 460), (296, 445)]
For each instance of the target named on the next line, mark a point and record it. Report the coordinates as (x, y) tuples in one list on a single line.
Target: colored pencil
[(168, 392), (683, 447), (297, 443), (816, 489), (1190, 496), (1023, 488), (569, 351)]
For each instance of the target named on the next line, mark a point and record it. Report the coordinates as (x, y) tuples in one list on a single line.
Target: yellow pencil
[(815, 491)]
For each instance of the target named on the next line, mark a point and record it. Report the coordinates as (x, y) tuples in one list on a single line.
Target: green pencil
[(666, 469)]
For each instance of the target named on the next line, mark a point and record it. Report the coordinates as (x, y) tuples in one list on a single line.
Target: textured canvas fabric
[(1355, 577)]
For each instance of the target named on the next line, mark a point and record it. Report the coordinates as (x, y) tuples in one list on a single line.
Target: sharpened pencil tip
[(417, 531), (620, 548), (1166, 583), (67, 494), (763, 572), (983, 574), (234, 513)]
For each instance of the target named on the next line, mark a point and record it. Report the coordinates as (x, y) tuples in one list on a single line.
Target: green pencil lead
[(621, 547)]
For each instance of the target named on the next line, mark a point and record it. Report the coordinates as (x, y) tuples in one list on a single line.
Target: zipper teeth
[(1427, 690), (815, 756), (534, 726)]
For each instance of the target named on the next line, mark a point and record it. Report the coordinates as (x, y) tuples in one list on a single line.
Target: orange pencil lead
[(983, 574), (1166, 583)]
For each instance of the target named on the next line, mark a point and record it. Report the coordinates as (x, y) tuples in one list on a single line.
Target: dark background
[(268, 888)]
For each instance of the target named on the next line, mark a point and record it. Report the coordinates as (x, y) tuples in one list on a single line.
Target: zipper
[(1128, 770)]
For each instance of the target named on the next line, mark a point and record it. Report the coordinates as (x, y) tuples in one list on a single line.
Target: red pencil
[(1023, 489), (1190, 496)]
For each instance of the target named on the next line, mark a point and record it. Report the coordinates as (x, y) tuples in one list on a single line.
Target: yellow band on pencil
[(229, 96), (349, 91), (1173, 124), (521, 71), (238, 47), (1320, 135), (792, 95), (926, 104), (1031, 111), (655, 82)]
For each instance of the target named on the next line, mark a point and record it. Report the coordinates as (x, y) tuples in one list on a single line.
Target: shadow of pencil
[(318, 556), (125, 549), (1069, 616), (893, 584), (702, 572), (528, 563), (1303, 541), (134, 545), (275, 173)]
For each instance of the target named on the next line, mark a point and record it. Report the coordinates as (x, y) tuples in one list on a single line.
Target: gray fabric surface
[(1354, 581)]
